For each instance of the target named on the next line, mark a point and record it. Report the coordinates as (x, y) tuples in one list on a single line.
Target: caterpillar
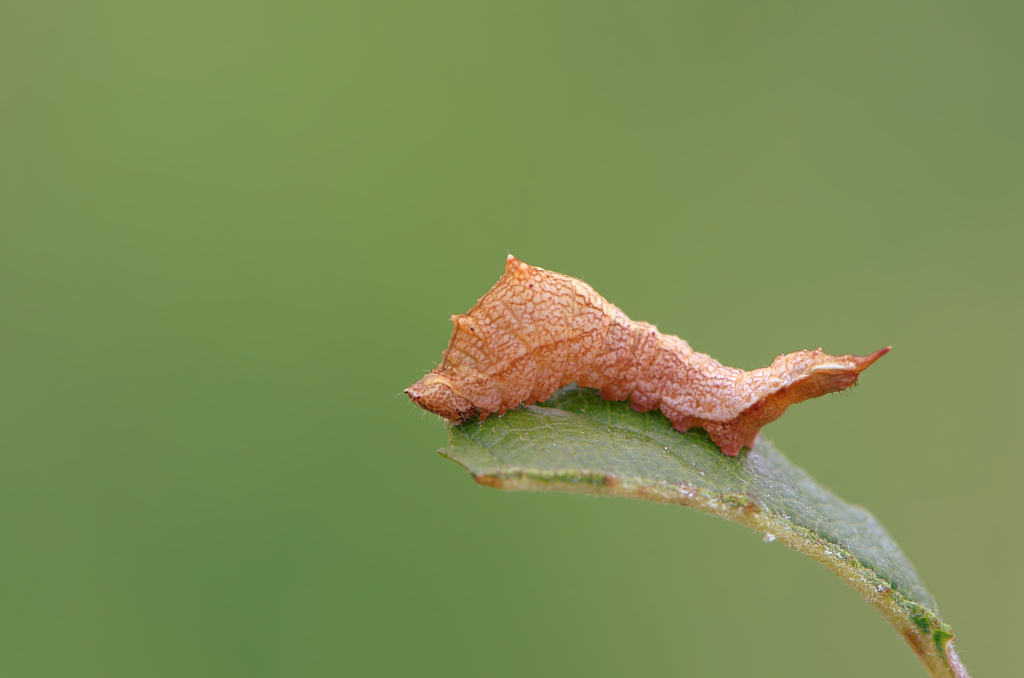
[(536, 331)]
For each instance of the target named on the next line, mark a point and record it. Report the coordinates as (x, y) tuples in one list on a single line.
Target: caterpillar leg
[(731, 436), (684, 424)]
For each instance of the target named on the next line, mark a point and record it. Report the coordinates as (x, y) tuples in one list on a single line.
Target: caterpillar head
[(434, 394)]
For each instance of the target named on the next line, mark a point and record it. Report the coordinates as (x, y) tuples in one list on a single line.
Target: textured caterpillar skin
[(536, 331)]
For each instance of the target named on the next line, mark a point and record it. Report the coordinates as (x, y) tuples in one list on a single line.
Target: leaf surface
[(577, 442)]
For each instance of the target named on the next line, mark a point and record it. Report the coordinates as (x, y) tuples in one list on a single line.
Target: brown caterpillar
[(536, 331)]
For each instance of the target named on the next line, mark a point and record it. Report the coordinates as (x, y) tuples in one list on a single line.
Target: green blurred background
[(231, 233)]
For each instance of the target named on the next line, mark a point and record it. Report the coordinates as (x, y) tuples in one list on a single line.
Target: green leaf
[(577, 442)]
